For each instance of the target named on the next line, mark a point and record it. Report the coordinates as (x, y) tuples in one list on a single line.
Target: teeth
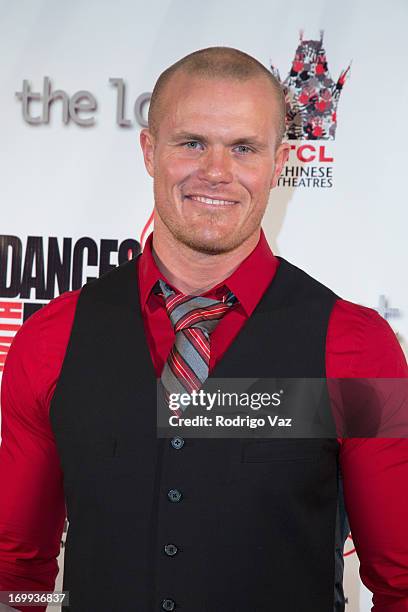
[(210, 200)]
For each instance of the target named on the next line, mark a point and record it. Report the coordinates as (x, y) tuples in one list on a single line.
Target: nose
[(215, 166)]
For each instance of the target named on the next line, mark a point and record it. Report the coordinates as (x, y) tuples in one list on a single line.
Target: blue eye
[(243, 149), (191, 145)]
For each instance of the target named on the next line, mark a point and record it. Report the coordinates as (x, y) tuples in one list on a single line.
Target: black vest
[(257, 523)]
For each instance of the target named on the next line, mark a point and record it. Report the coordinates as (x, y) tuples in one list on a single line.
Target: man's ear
[(281, 157), (147, 144)]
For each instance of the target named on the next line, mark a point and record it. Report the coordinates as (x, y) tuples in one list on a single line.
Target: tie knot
[(187, 311)]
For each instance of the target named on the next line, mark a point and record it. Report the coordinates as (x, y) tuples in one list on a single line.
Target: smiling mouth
[(211, 201)]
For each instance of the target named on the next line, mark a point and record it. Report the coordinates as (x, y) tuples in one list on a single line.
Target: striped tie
[(193, 319)]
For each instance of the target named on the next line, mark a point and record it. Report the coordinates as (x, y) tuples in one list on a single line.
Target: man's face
[(214, 160)]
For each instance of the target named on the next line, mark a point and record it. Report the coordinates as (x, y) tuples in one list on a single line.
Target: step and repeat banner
[(75, 199)]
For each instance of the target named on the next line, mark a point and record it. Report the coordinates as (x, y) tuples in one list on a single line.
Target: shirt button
[(177, 442), (170, 549), (174, 495), (168, 605)]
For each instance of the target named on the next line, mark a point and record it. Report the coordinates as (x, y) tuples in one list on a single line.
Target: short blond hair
[(217, 62)]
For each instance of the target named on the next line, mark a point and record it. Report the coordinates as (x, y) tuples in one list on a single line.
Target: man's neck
[(193, 272)]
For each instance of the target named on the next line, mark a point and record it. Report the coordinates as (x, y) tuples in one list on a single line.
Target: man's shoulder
[(59, 311), (52, 324), (35, 358), (300, 285), (359, 320), (116, 287), (360, 342), (47, 327), (364, 341)]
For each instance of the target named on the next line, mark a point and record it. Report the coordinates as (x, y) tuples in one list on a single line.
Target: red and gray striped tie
[(193, 319)]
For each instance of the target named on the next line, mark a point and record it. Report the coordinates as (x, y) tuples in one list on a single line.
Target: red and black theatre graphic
[(311, 94)]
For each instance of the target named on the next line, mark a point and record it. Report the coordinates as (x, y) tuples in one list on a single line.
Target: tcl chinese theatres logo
[(311, 94)]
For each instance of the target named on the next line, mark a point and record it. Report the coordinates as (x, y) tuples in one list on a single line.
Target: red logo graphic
[(11, 319), (311, 94), (349, 547)]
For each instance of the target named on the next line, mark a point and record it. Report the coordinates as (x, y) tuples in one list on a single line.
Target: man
[(192, 524)]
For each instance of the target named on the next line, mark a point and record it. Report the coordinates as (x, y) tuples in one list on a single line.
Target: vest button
[(174, 495), (168, 605), (170, 550), (177, 442)]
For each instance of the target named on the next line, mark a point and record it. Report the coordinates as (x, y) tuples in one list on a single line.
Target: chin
[(209, 246)]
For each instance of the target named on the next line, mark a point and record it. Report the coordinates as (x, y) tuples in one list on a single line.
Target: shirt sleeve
[(32, 504), (375, 470)]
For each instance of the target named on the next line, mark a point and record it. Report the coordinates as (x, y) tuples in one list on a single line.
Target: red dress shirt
[(359, 344)]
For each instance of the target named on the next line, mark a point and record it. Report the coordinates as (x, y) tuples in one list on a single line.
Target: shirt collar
[(149, 273), (253, 275), (248, 282)]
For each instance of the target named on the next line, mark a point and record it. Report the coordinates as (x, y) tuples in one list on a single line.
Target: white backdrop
[(65, 180)]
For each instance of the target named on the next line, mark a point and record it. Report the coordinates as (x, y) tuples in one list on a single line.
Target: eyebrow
[(247, 140)]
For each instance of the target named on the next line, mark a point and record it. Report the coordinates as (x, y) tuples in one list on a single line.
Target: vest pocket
[(259, 461)]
